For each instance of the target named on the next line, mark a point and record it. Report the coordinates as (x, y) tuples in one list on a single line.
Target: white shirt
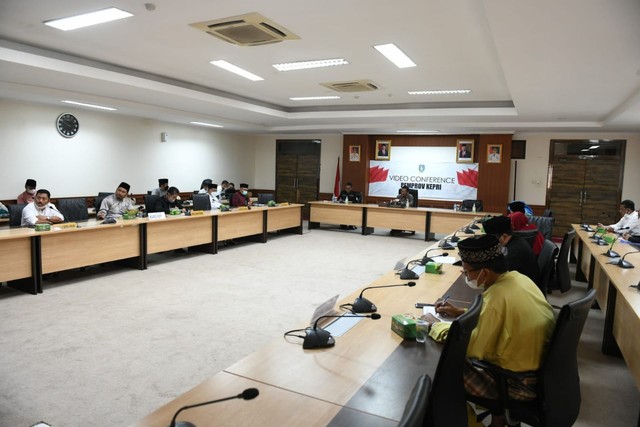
[(31, 211), (629, 222), (215, 202)]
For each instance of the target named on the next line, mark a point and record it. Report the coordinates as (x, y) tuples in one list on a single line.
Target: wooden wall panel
[(356, 172), (493, 178)]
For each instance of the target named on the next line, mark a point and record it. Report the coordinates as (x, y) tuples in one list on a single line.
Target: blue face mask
[(244, 192)]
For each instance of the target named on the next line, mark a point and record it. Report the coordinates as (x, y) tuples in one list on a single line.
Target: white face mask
[(31, 191), (473, 284), (504, 250)]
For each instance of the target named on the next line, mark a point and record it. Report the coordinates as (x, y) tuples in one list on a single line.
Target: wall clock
[(67, 125)]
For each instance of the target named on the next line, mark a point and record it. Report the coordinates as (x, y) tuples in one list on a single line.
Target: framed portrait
[(383, 150), (464, 151), (494, 153), (354, 153)]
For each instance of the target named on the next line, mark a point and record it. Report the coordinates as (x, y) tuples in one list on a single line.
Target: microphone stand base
[(184, 424), (611, 254), (625, 264), (363, 305), (318, 338)]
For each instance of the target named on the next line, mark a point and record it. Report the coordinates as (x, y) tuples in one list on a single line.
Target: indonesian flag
[(336, 186)]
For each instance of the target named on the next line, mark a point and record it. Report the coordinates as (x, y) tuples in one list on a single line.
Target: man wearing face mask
[(29, 191), (514, 326), (168, 201), (241, 198), (517, 252), (40, 211)]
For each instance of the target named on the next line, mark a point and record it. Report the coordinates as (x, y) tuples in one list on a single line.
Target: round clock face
[(67, 125)]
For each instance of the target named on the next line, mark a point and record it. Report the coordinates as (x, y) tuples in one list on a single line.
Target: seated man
[(405, 197), (514, 326), (203, 188), (40, 211), (349, 194), (167, 202), (212, 191), (518, 254), (629, 219), (163, 185), (29, 191), (117, 204), (241, 198)]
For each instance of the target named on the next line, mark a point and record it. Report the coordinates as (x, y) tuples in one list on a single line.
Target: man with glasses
[(629, 220), (514, 326)]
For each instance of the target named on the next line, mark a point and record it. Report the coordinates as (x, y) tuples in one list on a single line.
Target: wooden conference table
[(618, 300), (25, 255), (364, 380), (424, 220)]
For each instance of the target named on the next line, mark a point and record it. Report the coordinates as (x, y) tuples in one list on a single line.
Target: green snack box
[(43, 227), (609, 238), (433, 267), (128, 216), (174, 212), (404, 325)]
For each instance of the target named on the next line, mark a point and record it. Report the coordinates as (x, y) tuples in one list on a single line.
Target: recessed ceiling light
[(88, 19), (313, 98), (440, 92), (206, 124), (236, 70), (99, 107), (395, 55), (304, 65), (417, 131)]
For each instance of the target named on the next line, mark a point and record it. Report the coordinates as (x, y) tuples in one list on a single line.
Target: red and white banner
[(436, 180)]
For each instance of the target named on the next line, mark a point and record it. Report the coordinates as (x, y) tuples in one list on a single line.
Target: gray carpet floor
[(107, 345)]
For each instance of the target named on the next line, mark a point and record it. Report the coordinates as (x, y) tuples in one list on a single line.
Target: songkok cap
[(243, 185), (163, 181), (516, 206), (481, 249), (497, 225), (31, 183), (125, 186)]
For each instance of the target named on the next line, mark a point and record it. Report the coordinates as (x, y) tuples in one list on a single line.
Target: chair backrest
[(467, 205), (562, 263), (559, 382), (98, 200), (264, 198), (73, 209), (447, 401), (15, 214), (547, 212), (150, 201), (201, 202), (528, 235), (416, 407), (358, 197), (544, 224), (546, 263)]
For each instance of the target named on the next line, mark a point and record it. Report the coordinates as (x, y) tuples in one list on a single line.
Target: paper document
[(430, 309), (341, 325), (324, 309), (445, 259)]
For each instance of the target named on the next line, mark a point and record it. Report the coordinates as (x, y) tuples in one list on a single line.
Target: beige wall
[(532, 172)]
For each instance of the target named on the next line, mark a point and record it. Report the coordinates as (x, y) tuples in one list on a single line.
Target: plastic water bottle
[(407, 204), (473, 209), (333, 198)]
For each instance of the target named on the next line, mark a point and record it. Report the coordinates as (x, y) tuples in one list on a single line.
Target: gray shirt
[(159, 192), (113, 207)]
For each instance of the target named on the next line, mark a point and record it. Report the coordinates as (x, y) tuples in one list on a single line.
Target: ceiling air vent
[(352, 86), (251, 29)]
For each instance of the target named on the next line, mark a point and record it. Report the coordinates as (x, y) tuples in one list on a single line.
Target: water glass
[(422, 330)]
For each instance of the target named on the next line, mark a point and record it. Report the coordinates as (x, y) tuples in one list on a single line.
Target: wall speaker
[(164, 136), (518, 149)]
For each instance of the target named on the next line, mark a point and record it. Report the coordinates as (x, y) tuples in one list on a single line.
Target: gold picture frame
[(494, 153), (354, 153), (464, 150), (383, 150)]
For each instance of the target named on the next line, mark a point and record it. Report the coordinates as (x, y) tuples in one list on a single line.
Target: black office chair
[(149, 202), (358, 197), (562, 279), (73, 210), (528, 235), (264, 198), (201, 202), (15, 214), (544, 224), (558, 389), (98, 200), (548, 212), (416, 407), (467, 205), (546, 264), (447, 400)]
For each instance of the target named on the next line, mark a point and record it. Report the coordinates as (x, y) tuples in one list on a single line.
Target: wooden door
[(286, 176), (298, 172), (601, 199), (565, 195)]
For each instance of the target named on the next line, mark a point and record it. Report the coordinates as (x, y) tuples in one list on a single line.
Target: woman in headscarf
[(520, 222)]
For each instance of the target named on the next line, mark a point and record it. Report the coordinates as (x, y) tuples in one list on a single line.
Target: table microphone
[(363, 305), (595, 236), (626, 264), (474, 225), (611, 253), (320, 338), (454, 238), (426, 259), (248, 394)]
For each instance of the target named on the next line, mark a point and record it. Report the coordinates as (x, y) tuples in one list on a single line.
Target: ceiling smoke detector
[(251, 29)]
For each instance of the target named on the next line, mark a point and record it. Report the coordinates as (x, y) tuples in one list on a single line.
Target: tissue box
[(43, 227), (404, 325)]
